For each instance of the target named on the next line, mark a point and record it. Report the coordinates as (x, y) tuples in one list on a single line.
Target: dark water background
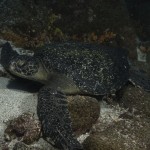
[(139, 11)]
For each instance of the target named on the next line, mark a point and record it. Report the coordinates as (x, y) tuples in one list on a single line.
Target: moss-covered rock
[(28, 23), (128, 134), (136, 100), (38, 22), (84, 112)]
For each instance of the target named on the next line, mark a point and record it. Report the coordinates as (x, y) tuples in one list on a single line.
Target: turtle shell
[(94, 68)]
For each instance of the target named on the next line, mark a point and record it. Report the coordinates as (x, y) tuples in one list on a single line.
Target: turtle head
[(24, 66), (21, 65), (28, 67)]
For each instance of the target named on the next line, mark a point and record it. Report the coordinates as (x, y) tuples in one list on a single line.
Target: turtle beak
[(12, 66)]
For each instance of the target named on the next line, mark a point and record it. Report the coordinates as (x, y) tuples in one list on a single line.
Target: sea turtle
[(66, 69)]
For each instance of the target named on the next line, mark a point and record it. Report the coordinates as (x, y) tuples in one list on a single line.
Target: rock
[(122, 135), (40, 145), (25, 127), (94, 142), (33, 23), (123, 126), (14, 103), (136, 100), (125, 134), (22, 146), (84, 112)]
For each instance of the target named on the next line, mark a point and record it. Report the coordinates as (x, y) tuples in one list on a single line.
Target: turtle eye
[(21, 62)]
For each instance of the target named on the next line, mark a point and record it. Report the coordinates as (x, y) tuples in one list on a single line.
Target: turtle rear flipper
[(56, 124), (140, 79)]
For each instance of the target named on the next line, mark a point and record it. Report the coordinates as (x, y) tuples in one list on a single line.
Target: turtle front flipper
[(140, 78), (54, 116)]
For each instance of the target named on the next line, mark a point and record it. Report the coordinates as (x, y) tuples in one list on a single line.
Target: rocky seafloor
[(108, 124)]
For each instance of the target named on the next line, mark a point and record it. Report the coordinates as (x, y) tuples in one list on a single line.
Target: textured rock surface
[(25, 128), (83, 15), (84, 112), (123, 126), (32, 23), (121, 135), (136, 100)]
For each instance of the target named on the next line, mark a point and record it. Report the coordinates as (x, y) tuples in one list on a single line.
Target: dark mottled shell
[(94, 68)]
